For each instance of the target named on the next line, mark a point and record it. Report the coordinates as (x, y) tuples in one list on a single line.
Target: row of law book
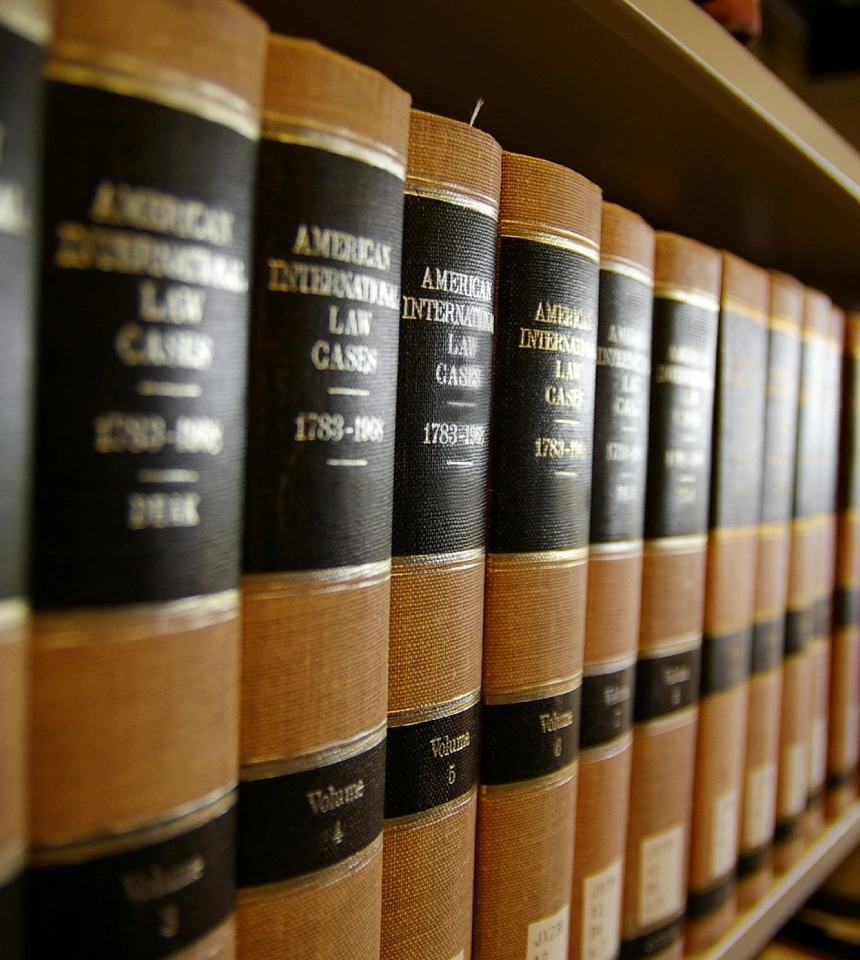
[(405, 553)]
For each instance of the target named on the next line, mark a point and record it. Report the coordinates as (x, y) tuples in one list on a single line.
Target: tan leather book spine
[(684, 340), (827, 457), (735, 512), (755, 861), (843, 751), (450, 226), (152, 122), (537, 553), (315, 594), (24, 32), (803, 577), (614, 581)]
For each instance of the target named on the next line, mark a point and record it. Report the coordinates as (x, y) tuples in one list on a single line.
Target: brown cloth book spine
[(735, 513), (152, 121), (804, 564), (614, 581), (826, 461), (755, 861), (24, 30), (683, 356), (537, 552), (315, 594), (843, 751), (450, 224)]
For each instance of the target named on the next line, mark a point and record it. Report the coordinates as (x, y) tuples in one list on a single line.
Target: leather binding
[(614, 580), (152, 121), (24, 31), (735, 512), (827, 455), (537, 552), (440, 490), (315, 593), (842, 754), (804, 564), (683, 357), (758, 808)]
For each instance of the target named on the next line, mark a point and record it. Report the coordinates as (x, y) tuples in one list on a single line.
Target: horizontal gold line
[(784, 325), (669, 721), (558, 778), (632, 548), (554, 688), (626, 268), (695, 298), (749, 311), (606, 751), (600, 667), (432, 814), (680, 643), (286, 128), (433, 711), (284, 583), (265, 768), (25, 23), (12, 612), (323, 877), (778, 528), (551, 236), (133, 836), (450, 193), (732, 534), (166, 88), (572, 557), (682, 544), (818, 336), (457, 557)]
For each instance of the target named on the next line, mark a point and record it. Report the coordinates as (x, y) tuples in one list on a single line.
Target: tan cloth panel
[(795, 716), (342, 903), (624, 235), (220, 43), (820, 657), (772, 572), (682, 262), (525, 601), (512, 888), (673, 593), (427, 863), (315, 88), (13, 696), (601, 823), (848, 555), (730, 583), (612, 605), (314, 663), (152, 726), (447, 152), (661, 796), (802, 570), (437, 614), (842, 753)]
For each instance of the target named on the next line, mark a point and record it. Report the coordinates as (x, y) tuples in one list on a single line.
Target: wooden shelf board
[(756, 927), (649, 98)]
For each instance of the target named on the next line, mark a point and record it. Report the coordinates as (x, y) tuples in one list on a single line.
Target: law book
[(317, 563), (614, 580), (735, 512), (843, 750), (758, 817), (804, 563), (829, 372), (683, 357), (152, 119), (450, 222), (24, 31), (537, 553)]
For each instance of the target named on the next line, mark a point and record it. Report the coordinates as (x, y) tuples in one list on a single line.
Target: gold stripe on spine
[(563, 558), (334, 578), (597, 668), (625, 268), (687, 544), (671, 721), (680, 644), (536, 784), (554, 688), (29, 19), (126, 836), (434, 711), (616, 548), (264, 768), (695, 298), (448, 193), (431, 815), (456, 560), (341, 141), (540, 233), (608, 750), (12, 613)]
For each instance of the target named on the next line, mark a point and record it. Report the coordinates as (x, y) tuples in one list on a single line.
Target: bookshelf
[(649, 98)]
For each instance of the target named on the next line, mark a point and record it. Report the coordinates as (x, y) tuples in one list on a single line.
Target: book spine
[(735, 512), (536, 558), (755, 862), (315, 594), (24, 29), (614, 581), (843, 749), (683, 354), (796, 710), (139, 450), (440, 493)]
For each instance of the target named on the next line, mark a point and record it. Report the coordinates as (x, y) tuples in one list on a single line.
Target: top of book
[(446, 154), (745, 287), (30, 19), (626, 237), (786, 299), (309, 87), (816, 312), (688, 264), (205, 58), (538, 195)]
